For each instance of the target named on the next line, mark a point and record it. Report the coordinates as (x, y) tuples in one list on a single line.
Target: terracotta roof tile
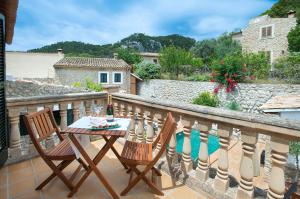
[(81, 62), (282, 102)]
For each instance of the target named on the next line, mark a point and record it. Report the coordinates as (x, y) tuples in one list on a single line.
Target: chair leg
[(83, 164), (61, 166), (149, 183), (141, 175), (60, 174), (158, 173)]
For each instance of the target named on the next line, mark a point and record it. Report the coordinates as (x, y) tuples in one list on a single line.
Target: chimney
[(115, 55), (291, 14), (60, 53)]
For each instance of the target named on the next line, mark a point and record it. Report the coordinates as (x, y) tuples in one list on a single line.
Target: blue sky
[(43, 22)]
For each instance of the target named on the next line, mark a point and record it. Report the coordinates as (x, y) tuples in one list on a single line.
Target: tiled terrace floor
[(18, 181)]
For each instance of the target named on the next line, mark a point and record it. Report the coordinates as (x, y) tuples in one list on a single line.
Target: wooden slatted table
[(110, 136)]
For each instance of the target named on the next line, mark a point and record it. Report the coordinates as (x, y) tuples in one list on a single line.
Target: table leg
[(92, 165), (115, 152)]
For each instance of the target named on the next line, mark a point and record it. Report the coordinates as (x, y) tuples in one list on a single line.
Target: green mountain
[(138, 41), (281, 8)]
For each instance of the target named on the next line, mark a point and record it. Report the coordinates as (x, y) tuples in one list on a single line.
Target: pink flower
[(234, 75), (216, 90), (212, 80), (252, 77), (227, 90)]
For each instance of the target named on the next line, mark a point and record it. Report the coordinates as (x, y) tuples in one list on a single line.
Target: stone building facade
[(266, 34), (108, 72)]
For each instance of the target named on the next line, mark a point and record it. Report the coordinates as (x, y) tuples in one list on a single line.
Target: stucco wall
[(250, 97), (71, 75), (278, 44), (31, 65)]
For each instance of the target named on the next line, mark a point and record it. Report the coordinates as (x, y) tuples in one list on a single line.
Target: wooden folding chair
[(41, 125), (135, 154)]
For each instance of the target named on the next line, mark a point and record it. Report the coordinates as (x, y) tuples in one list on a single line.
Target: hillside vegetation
[(138, 42)]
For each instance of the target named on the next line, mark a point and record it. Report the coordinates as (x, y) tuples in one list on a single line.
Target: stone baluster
[(280, 149), (222, 181), (116, 109), (140, 126), (123, 110), (149, 124), (63, 115), (132, 135), (76, 111), (202, 168), (88, 107), (172, 155), (15, 137), (246, 188), (159, 120), (186, 149), (101, 103), (268, 161)]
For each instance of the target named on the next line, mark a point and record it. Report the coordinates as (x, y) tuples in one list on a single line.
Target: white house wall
[(31, 65)]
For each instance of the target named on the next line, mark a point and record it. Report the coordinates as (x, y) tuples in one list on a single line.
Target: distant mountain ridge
[(138, 41)]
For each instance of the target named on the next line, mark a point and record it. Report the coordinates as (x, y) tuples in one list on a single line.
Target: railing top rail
[(25, 101), (250, 121)]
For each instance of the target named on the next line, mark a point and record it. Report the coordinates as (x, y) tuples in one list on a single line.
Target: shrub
[(200, 78), (148, 71), (89, 84), (93, 86), (207, 99), (288, 68)]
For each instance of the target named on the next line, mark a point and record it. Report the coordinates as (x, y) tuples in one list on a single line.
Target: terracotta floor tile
[(3, 193), (21, 165), (30, 195), (22, 187), (20, 175), (183, 192), (3, 179)]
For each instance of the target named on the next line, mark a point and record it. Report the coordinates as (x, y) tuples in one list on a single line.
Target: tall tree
[(174, 59), (129, 56)]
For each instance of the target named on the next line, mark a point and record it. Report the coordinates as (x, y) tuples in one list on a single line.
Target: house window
[(266, 31), (103, 77), (117, 77), (155, 61)]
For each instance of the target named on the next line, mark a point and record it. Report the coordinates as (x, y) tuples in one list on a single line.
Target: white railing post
[(76, 111)]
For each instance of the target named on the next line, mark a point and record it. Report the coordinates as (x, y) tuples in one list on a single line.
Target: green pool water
[(213, 143)]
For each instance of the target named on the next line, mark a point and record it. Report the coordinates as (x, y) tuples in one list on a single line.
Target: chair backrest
[(41, 125), (166, 132)]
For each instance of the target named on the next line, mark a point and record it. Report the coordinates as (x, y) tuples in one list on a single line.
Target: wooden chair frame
[(43, 125), (164, 138)]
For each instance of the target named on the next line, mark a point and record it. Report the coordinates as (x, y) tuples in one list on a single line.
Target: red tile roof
[(9, 9), (86, 62)]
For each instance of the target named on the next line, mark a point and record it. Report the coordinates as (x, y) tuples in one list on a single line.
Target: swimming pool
[(213, 143)]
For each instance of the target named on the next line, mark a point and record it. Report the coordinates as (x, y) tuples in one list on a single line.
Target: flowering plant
[(228, 76)]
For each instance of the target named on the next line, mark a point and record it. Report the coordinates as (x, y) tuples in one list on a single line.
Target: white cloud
[(56, 20)]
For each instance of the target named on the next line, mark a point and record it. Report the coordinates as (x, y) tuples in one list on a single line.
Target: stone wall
[(22, 88), (277, 44), (71, 75), (249, 96)]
